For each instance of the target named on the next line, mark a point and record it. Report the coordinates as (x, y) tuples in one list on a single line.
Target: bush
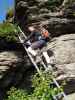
[(42, 90), (8, 32), (16, 94)]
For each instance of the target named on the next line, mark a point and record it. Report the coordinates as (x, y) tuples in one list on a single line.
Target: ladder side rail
[(54, 80), (65, 98), (22, 32), (38, 70)]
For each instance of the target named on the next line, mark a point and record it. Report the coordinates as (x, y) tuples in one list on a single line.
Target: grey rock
[(12, 67), (9, 58), (63, 48), (32, 11)]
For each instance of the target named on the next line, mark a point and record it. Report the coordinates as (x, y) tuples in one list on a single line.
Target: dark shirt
[(36, 36)]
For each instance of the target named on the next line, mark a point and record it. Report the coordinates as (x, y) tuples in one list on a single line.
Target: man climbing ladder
[(37, 39)]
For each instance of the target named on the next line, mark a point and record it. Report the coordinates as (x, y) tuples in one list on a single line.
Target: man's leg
[(33, 48), (38, 44)]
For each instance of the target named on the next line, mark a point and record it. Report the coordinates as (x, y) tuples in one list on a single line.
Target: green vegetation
[(10, 13), (42, 89), (8, 31), (17, 94)]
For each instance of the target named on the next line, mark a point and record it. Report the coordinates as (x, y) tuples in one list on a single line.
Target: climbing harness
[(22, 38)]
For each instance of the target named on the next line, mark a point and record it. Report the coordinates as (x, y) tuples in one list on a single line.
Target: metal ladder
[(22, 37)]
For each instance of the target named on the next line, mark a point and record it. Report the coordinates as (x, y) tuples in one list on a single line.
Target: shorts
[(38, 44)]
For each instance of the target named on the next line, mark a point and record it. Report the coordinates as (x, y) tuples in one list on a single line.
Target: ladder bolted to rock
[(22, 37)]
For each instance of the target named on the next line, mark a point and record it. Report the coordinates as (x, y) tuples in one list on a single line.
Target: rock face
[(33, 11), (60, 26), (12, 68), (58, 23), (13, 64), (63, 48)]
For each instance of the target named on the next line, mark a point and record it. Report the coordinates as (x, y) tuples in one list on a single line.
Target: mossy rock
[(8, 31)]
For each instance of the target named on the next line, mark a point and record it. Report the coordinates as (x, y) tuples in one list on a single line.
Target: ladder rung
[(59, 94)]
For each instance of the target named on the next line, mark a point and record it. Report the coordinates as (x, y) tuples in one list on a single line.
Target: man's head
[(31, 28)]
